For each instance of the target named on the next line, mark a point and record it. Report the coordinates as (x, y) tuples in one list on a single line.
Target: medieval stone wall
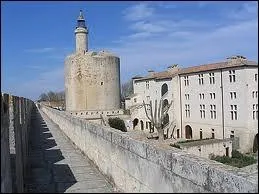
[(139, 166), (15, 125)]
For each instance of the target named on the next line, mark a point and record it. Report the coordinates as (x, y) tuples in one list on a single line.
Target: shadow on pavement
[(43, 174)]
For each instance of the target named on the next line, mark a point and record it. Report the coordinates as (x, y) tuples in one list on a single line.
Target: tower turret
[(81, 33)]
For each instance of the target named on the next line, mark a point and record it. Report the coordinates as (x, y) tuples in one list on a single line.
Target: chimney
[(236, 59), (173, 68), (150, 72)]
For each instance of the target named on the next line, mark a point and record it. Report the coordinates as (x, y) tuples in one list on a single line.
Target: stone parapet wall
[(96, 113), (15, 125), (139, 166)]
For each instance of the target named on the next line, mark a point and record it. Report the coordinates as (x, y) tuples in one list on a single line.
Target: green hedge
[(117, 123), (238, 159)]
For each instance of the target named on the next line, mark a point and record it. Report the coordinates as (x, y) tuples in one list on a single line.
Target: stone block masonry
[(138, 166), (15, 125)]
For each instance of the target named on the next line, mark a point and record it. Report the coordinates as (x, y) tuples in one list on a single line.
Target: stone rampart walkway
[(55, 166)]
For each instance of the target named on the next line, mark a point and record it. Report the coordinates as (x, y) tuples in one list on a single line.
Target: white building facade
[(209, 101)]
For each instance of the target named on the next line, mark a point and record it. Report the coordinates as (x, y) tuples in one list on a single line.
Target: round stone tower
[(92, 79)]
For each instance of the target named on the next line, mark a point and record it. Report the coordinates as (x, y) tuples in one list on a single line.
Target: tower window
[(101, 83)]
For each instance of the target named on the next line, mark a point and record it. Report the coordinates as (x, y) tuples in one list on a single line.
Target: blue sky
[(36, 37)]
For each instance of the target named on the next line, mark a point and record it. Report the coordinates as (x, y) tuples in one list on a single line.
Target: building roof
[(214, 66), (199, 68), (157, 76)]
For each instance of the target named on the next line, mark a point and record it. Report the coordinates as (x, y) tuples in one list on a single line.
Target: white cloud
[(40, 50), (138, 12), (143, 26), (186, 42)]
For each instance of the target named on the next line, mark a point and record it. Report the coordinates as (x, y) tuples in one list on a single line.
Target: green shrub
[(117, 123), (238, 159), (175, 145)]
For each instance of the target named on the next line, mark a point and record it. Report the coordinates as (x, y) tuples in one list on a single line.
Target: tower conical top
[(81, 20), (80, 17)]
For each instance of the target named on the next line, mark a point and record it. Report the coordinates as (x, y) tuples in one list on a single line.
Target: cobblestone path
[(55, 166)]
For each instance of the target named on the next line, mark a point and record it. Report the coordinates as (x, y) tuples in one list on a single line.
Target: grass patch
[(237, 160), (192, 140)]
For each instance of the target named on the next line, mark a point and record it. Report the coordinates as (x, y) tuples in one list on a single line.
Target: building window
[(213, 111), (201, 95), (147, 85), (233, 112), (135, 99), (187, 110), (212, 95), (255, 111), (200, 133), (187, 96), (200, 79), (164, 89), (202, 110), (186, 80), (256, 77), (146, 125), (101, 83), (212, 78), (233, 95), (232, 76), (255, 94), (212, 134), (232, 134), (178, 133)]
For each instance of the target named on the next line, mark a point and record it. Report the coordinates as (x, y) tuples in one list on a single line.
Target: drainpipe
[(222, 104), (181, 107)]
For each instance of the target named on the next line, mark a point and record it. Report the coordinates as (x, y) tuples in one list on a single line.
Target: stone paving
[(56, 166)]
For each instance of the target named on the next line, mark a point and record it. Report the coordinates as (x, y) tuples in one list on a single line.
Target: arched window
[(255, 146), (164, 89), (135, 122), (188, 132), (165, 103)]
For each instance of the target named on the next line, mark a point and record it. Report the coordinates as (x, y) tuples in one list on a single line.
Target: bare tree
[(157, 118)]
